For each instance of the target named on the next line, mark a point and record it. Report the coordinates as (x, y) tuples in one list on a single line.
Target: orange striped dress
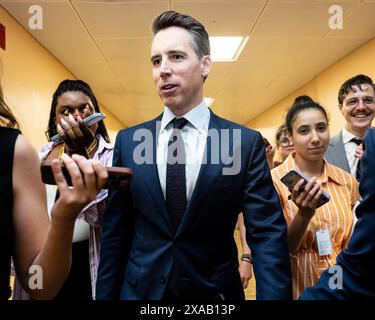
[(336, 215)]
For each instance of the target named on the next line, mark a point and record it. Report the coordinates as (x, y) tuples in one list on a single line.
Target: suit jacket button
[(163, 280)]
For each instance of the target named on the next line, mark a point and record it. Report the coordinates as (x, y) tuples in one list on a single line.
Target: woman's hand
[(307, 198), (246, 272), (306, 201), (88, 178), (76, 135), (359, 151)]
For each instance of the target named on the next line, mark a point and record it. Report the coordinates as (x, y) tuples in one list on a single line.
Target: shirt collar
[(328, 170), (197, 117), (347, 136), (289, 162), (103, 144)]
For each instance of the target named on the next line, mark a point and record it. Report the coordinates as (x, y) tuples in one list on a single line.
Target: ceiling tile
[(120, 19), (131, 69), (220, 68), (73, 50), (259, 69), (359, 23), (324, 54), (223, 18), (295, 19), (126, 49), (85, 70), (276, 48), (60, 21)]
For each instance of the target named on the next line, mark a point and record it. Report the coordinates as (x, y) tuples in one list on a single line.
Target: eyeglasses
[(285, 142), (355, 101)]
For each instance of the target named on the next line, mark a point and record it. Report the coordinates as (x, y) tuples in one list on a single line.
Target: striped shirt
[(337, 216), (92, 214)]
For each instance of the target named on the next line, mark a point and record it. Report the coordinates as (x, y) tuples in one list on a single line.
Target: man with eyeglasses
[(284, 145), (357, 104)]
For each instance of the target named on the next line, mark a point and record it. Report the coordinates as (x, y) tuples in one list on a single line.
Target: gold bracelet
[(92, 147), (62, 150)]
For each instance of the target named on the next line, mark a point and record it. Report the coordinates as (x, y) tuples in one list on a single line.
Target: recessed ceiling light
[(226, 48)]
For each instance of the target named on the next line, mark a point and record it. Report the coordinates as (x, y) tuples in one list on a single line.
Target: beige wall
[(323, 88), (29, 76)]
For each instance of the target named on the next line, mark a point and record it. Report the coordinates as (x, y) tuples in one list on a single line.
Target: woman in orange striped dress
[(315, 235)]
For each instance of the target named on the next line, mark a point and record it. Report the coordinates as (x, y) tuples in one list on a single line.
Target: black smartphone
[(118, 177), (293, 176), (90, 120), (267, 143)]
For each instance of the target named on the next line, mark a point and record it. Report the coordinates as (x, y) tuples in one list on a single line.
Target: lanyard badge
[(323, 240)]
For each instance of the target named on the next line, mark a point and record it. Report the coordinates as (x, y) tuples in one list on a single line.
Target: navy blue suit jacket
[(139, 244), (357, 262)]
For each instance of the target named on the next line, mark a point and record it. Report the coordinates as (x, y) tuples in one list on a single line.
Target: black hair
[(348, 85), (201, 42), (302, 103), (302, 99), (73, 85), (200, 38)]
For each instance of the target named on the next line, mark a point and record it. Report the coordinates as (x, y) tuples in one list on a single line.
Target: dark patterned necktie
[(176, 175), (358, 170)]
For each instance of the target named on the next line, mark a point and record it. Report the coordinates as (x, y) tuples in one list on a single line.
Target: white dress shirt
[(194, 135), (350, 147)]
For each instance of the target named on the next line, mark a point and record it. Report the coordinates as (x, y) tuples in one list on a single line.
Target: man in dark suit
[(170, 236), (357, 104), (353, 276)]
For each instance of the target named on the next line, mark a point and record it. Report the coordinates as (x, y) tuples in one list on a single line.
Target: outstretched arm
[(38, 242)]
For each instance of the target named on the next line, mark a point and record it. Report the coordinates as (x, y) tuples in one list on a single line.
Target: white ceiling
[(107, 44)]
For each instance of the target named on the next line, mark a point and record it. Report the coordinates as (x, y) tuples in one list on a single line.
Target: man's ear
[(340, 107), (206, 65)]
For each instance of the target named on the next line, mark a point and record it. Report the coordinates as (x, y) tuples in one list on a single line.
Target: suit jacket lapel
[(338, 152), (207, 175), (150, 172)]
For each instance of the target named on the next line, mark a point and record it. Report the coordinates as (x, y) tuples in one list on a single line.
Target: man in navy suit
[(170, 236), (353, 276)]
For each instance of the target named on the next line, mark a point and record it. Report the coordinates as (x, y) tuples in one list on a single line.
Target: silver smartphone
[(90, 120)]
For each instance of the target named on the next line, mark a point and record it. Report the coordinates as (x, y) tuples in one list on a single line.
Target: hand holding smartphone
[(118, 177), (89, 121), (267, 143), (291, 179)]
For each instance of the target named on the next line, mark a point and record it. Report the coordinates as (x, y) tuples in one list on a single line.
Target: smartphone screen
[(292, 178)]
